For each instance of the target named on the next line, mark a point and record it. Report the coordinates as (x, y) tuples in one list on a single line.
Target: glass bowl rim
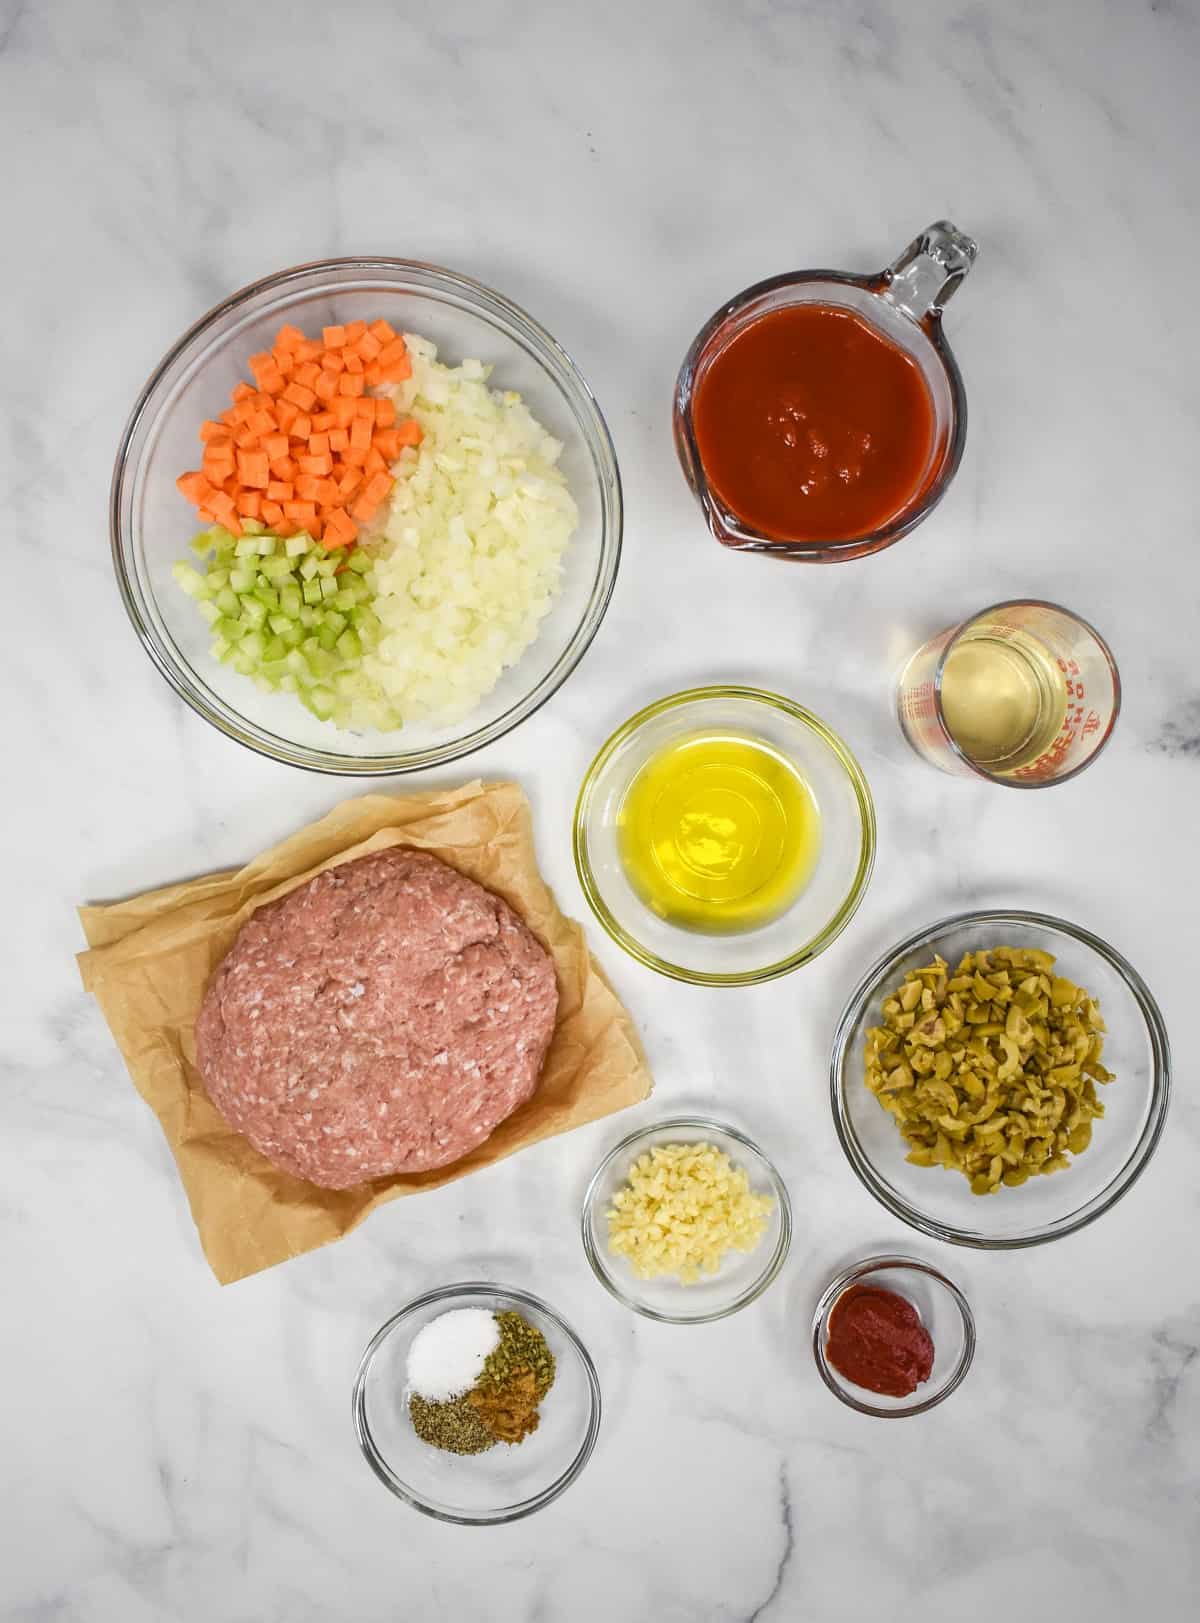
[(850, 903), (186, 683), (374, 1455), (833, 1293), (1139, 1156), (689, 1123)]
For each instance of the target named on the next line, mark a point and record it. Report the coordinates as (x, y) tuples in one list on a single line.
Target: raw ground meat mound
[(385, 1017)]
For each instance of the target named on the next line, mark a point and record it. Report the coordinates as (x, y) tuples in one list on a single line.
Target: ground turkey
[(385, 1017)]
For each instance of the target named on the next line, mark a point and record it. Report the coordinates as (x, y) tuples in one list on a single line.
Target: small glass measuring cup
[(904, 303), (1069, 672)]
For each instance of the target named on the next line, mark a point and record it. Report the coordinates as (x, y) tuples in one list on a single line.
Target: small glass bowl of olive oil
[(724, 835)]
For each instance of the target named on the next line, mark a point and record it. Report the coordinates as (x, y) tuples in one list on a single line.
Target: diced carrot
[(354, 331), (226, 512), (349, 482), (338, 439), (284, 360), (364, 508), (246, 439), (301, 426), (373, 375), (300, 396), (288, 337), (382, 330), (271, 513), (249, 504), (259, 361), (274, 381), (284, 467), (286, 415), (310, 349), (263, 422), (280, 490), (284, 526), (334, 337), (374, 462), (340, 528), (323, 421), (326, 493), (397, 350), (206, 515), (386, 441), (315, 527), (350, 384), (241, 391), (318, 444), (307, 488), (366, 409), (354, 362), (333, 361), (326, 386), (356, 455), (409, 432), (210, 430), (275, 445), (216, 470), (301, 512), (385, 413), (307, 374), (230, 417), (379, 484), (368, 347), (193, 485), (254, 468), (395, 371), (315, 464), (360, 435), (343, 410)]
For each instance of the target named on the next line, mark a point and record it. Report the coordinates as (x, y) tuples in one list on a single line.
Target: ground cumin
[(509, 1411)]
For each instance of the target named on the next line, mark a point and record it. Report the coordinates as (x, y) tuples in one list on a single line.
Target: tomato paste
[(876, 1339)]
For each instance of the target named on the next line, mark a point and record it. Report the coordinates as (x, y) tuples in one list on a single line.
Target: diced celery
[(329, 587), (251, 526), (288, 684), (190, 580), (290, 600), (273, 669), (359, 561), (216, 578), (321, 702), (297, 665), (275, 650), (253, 611), (344, 599), (310, 616), (227, 601), (279, 623), (349, 646), (241, 580), (277, 570), (253, 645), (210, 612), (224, 540), (265, 546), (336, 621), (327, 637), (267, 596), (220, 648), (297, 545), (292, 637), (247, 547), (242, 663), (312, 592), (327, 566), (309, 567), (230, 630), (202, 543)]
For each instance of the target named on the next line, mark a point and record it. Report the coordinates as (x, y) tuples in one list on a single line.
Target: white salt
[(447, 1356)]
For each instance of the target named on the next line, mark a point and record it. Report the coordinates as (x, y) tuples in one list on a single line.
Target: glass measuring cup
[(903, 304), (1026, 659)]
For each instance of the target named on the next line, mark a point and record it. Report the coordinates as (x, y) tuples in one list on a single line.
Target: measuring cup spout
[(929, 271)]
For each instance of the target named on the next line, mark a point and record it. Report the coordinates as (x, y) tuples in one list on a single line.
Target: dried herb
[(455, 1426), (521, 1347)]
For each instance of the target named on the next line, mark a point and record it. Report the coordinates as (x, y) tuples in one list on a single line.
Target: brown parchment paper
[(150, 959)]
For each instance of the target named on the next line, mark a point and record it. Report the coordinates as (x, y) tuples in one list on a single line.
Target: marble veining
[(178, 1452)]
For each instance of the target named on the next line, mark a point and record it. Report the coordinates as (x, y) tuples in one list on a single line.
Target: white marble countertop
[(178, 1451)]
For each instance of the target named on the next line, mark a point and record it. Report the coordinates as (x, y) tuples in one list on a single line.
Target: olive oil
[(718, 833), (1004, 699)]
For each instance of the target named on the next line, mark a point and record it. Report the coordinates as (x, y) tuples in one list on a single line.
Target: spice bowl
[(508, 1481), (944, 1312), (742, 1277)]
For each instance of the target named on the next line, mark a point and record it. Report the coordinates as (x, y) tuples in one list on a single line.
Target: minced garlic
[(683, 1207)]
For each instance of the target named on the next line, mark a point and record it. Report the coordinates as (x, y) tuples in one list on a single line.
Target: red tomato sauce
[(876, 1339), (812, 426)]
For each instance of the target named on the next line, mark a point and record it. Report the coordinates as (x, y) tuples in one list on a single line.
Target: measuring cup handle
[(928, 273)]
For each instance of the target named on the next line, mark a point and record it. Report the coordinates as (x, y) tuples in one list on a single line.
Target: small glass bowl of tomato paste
[(820, 415), (879, 1318)]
